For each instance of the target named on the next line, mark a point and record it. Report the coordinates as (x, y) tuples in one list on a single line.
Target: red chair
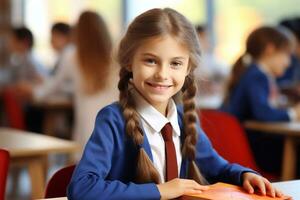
[(57, 185), (4, 162), (13, 110), (229, 139)]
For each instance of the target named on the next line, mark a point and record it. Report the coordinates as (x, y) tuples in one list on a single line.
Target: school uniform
[(107, 168), (251, 98)]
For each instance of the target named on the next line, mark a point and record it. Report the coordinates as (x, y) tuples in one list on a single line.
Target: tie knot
[(166, 132)]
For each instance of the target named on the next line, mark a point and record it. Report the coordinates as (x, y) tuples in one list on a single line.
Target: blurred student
[(23, 66), (90, 68), (61, 42), (212, 74), (252, 92)]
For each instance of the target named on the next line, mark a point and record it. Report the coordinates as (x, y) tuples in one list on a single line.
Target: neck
[(162, 108)]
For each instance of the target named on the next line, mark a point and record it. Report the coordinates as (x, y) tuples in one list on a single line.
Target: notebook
[(224, 191)]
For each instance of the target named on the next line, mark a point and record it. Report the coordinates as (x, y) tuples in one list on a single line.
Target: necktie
[(171, 161)]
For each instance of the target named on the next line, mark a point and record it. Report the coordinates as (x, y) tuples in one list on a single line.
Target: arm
[(91, 176), (258, 94)]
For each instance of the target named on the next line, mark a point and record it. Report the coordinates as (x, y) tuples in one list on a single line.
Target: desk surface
[(290, 188), (282, 128), (22, 143)]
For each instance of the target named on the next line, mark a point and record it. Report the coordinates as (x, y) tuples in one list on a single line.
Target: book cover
[(224, 191)]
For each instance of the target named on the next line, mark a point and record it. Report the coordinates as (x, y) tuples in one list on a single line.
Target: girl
[(252, 92), (131, 153)]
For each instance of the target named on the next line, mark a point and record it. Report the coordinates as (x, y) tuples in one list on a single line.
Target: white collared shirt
[(153, 121)]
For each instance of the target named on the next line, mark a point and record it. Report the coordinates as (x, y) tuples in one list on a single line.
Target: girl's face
[(280, 60), (277, 60), (159, 68)]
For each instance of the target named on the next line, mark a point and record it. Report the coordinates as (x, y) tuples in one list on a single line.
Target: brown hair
[(94, 48), (256, 45), (151, 24)]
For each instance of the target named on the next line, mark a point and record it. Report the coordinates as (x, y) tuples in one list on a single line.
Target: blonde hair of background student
[(169, 23)]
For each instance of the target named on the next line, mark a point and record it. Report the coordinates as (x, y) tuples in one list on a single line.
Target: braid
[(145, 171), (190, 118)]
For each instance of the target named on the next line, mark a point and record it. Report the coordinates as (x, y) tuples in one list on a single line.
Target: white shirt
[(152, 122)]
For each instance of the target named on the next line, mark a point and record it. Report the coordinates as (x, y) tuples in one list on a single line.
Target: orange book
[(224, 191)]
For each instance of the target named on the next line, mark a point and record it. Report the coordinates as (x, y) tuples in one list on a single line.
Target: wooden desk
[(290, 188), (291, 131), (54, 106), (32, 150)]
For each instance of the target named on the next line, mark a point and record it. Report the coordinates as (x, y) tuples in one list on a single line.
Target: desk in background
[(32, 150), (291, 133)]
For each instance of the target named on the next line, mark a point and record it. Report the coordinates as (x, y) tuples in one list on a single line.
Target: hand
[(252, 181), (178, 187)]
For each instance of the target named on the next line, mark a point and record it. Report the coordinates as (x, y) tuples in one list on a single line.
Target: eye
[(176, 64), (150, 61)]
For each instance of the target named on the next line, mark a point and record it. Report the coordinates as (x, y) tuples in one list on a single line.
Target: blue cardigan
[(249, 99), (107, 168)]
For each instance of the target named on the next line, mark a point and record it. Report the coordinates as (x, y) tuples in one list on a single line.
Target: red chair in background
[(229, 139), (4, 162), (57, 185), (13, 109)]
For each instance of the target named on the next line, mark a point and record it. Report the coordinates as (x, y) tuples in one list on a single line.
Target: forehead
[(166, 46)]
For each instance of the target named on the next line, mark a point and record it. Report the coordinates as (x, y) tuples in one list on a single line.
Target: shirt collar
[(153, 117)]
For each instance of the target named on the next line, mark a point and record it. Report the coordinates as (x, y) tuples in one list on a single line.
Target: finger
[(248, 187), (259, 183), (278, 193), (193, 192), (269, 188), (194, 185)]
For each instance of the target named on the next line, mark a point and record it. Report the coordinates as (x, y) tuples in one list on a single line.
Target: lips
[(158, 86)]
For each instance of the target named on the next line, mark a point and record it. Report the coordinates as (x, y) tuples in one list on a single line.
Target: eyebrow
[(150, 54)]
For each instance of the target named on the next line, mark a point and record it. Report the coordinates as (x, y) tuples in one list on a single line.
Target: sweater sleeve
[(90, 180)]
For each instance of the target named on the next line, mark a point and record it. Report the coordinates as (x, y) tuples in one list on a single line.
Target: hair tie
[(247, 59)]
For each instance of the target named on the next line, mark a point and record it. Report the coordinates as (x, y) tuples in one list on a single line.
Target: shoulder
[(255, 76), (111, 111)]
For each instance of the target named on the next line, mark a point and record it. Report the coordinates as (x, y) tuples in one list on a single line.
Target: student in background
[(211, 75), (61, 42), (125, 155), (89, 66), (23, 66), (252, 92)]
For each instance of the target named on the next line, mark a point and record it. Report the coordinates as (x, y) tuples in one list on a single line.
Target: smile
[(158, 86)]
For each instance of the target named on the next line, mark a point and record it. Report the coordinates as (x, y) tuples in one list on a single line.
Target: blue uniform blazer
[(107, 168), (249, 99)]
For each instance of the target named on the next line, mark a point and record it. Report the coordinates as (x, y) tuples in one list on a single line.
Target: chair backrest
[(227, 137), (4, 162), (13, 109), (57, 185)]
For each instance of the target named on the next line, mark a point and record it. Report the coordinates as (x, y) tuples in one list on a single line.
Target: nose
[(162, 72)]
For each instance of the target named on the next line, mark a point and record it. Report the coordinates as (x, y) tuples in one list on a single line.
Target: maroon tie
[(171, 161)]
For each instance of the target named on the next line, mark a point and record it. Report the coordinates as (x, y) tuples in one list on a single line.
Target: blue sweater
[(249, 99), (107, 168)]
